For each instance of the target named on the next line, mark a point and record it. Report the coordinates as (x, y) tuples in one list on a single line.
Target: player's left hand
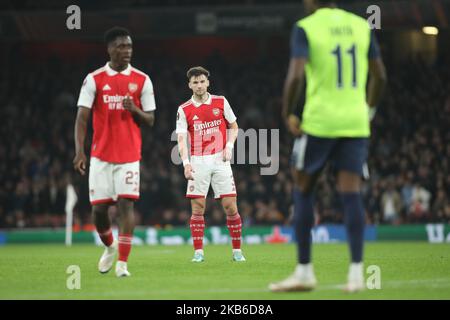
[(189, 172), (128, 103), (227, 153), (293, 125)]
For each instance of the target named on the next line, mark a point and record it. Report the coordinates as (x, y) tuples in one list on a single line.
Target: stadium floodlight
[(430, 30)]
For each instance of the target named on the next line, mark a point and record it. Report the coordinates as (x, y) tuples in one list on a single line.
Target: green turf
[(408, 271)]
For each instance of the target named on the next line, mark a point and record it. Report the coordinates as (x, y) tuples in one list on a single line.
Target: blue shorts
[(310, 154)]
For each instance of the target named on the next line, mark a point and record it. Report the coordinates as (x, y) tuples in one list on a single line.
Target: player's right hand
[(293, 125), (128, 103), (79, 163), (188, 172)]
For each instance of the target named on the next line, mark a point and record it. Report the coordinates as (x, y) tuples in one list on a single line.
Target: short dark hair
[(115, 32), (197, 71)]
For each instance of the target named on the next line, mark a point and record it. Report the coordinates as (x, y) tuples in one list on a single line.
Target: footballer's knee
[(348, 182), (303, 181), (198, 206), (229, 204), (100, 209), (101, 217), (125, 206)]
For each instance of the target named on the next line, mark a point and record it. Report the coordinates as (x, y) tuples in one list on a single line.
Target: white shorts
[(211, 170), (110, 181)]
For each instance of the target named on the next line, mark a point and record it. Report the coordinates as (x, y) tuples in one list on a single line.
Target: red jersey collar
[(112, 72), (198, 104)]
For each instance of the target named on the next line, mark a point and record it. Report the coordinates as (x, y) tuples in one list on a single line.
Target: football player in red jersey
[(209, 123), (121, 99)]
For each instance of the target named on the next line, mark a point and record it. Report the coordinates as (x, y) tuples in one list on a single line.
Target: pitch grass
[(408, 271)]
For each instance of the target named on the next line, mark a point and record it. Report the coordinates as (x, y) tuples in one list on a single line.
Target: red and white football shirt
[(206, 123), (117, 137)]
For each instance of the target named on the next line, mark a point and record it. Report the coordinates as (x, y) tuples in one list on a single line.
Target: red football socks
[(197, 230), (234, 225), (106, 237), (124, 246)]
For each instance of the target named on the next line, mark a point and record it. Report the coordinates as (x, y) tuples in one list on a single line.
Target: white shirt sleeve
[(87, 92), (181, 121), (148, 96), (228, 112)]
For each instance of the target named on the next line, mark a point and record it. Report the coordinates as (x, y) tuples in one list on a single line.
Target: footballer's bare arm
[(183, 150), (140, 116), (233, 130), (292, 91), (150, 118), (377, 81), (79, 162)]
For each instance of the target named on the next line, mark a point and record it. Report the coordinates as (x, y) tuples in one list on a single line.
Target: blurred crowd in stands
[(29, 5), (409, 154)]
